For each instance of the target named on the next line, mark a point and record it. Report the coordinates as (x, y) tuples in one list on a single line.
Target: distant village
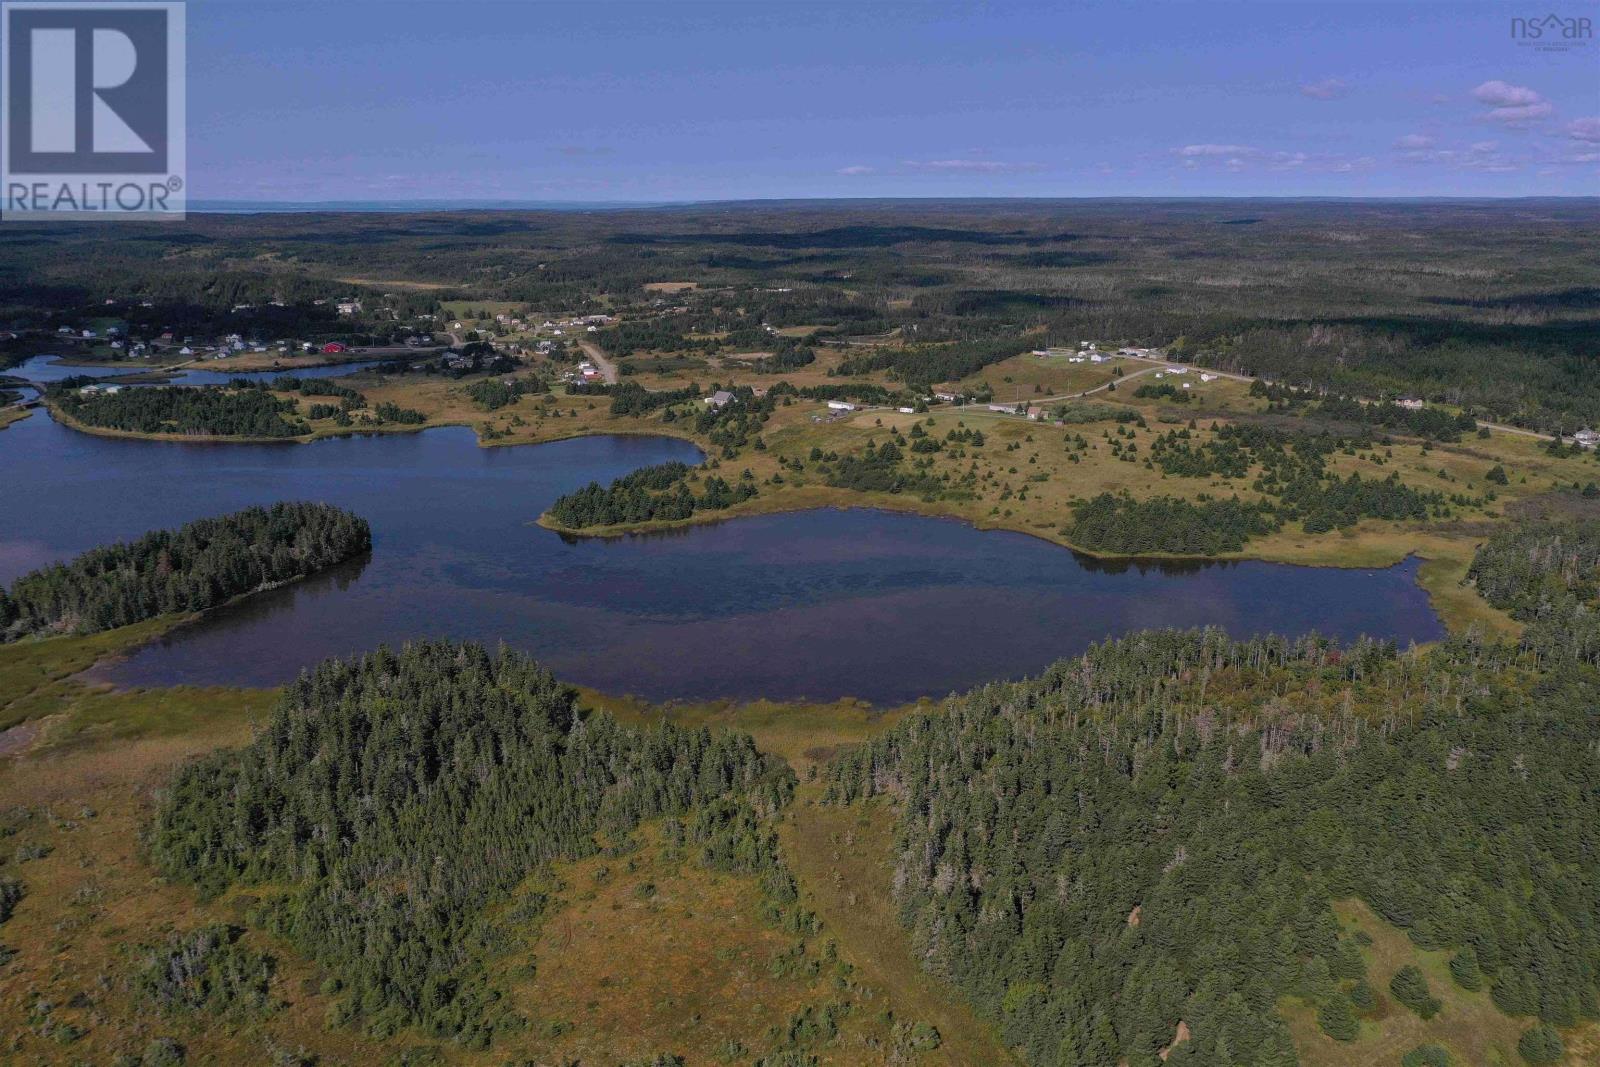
[(351, 329)]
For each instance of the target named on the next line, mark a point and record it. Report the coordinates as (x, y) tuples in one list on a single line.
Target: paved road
[(608, 369)]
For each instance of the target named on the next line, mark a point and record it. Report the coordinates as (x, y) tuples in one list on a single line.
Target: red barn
[(333, 348)]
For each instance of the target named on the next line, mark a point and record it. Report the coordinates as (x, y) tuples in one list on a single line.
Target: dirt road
[(608, 369)]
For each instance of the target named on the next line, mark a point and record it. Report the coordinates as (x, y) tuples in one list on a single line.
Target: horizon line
[(216, 205)]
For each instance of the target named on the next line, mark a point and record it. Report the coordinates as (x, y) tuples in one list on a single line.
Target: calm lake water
[(818, 604), (47, 369)]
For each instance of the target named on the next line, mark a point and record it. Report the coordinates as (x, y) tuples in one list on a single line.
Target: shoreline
[(1440, 573), (1457, 605)]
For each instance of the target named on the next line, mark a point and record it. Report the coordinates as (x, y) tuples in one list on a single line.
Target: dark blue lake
[(819, 604)]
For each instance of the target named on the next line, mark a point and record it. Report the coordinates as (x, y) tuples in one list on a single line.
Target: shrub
[(1541, 1044), (1426, 1056), (1336, 1018), (206, 969), (1464, 969), (1410, 988)]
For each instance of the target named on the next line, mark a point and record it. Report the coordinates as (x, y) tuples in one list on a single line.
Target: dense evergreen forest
[(393, 798), (1546, 573), (1167, 524), (661, 493), (1152, 835), (201, 411), (192, 568)]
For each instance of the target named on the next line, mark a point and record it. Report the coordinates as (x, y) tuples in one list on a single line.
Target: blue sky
[(686, 101)]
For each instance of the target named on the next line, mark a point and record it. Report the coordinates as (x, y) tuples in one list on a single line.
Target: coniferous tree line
[(865, 392), (492, 394), (1546, 573), (630, 398), (1118, 523), (1161, 391), (659, 493), (1291, 468), (394, 798), (202, 411), (925, 364), (878, 469), (1431, 423), (1154, 833), (192, 568)]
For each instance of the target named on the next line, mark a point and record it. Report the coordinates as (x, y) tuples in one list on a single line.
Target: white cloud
[(1237, 157), (1348, 166), (1414, 142), (857, 170), (1502, 94), (1585, 129), (1193, 150), (1326, 89), (1511, 105), (971, 166), (1519, 116)]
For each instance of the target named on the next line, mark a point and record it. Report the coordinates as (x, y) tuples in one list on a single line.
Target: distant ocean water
[(278, 207)]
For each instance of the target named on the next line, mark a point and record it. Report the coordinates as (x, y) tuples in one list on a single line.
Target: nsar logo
[(1553, 33)]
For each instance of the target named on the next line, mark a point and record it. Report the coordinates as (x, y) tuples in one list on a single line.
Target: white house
[(840, 405), (908, 411), (1411, 403), (719, 398), (1586, 439)]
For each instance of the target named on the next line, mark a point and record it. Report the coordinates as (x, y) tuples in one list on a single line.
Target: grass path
[(841, 859)]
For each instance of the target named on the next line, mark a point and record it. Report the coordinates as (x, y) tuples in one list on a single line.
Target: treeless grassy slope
[(651, 952), (841, 858)]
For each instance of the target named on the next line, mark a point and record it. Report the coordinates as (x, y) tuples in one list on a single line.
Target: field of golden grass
[(1026, 378)]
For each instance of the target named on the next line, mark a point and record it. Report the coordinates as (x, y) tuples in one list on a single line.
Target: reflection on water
[(1122, 564), (820, 604), (47, 369), (50, 369)]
